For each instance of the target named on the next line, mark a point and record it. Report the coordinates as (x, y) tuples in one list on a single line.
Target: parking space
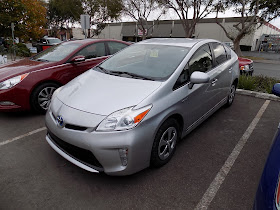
[(32, 175)]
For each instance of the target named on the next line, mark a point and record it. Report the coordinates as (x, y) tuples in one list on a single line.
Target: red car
[(246, 66), (29, 83)]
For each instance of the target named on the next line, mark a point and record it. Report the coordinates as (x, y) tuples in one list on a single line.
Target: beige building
[(206, 28)]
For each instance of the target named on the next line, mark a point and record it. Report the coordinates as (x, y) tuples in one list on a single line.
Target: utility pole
[(13, 37), (85, 23)]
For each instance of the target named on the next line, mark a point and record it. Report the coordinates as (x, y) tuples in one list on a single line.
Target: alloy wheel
[(44, 97), (231, 94), (167, 143)]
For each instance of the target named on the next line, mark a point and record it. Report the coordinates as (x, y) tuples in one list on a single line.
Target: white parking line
[(212, 190), (22, 136)]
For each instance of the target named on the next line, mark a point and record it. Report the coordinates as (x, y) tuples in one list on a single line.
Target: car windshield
[(146, 61), (57, 52), (54, 41)]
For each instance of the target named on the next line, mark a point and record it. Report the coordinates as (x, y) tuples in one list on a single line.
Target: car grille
[(82, 155), (75, 127), (71, 126)]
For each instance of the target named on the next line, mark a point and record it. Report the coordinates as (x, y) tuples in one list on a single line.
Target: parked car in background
[(45, 43), (268, 193), (229, 44), (129, 112), (29, 83), (246, 66)]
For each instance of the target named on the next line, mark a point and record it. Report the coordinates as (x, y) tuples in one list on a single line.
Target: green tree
[(253, 14), (62, 13), (270, 9), (190, 12), (140, 11), (101, 11), (29, 22)]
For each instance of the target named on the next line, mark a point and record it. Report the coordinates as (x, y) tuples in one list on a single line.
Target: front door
[(94, 54), (197, 100)]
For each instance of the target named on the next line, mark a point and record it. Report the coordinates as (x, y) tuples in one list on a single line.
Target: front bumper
[(248, 71), (103, 146), (17, 96)]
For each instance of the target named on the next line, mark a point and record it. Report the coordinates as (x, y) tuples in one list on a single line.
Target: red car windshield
[(57, 52)]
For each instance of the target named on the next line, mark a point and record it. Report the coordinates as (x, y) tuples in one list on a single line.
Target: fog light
[(6, 103), (123, 155)]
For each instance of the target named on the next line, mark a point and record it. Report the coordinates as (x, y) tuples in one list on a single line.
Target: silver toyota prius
[(129, 112)]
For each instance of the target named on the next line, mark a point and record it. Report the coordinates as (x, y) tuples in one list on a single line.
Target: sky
[(172, 15)]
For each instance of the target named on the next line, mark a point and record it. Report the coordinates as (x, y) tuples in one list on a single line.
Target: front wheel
[(41, 97), (165, 143), (231, 95)]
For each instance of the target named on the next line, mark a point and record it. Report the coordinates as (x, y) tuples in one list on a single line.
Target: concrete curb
[(257, 94), (267, 61)]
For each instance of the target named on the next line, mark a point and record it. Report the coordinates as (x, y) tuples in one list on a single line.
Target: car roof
[(93, 40), (182, 42)]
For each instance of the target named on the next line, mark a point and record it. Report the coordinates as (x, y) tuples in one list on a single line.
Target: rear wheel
[(41, 97), (231, 95), (165, 143)]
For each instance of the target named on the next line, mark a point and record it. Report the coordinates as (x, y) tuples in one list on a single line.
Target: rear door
[(222, 72)]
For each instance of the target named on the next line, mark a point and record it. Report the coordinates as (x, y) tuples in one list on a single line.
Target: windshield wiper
[(102, 69), (136, 76)]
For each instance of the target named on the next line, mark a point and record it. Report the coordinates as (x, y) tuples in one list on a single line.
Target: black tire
[(161, 154), (231, 95), (41, 97)]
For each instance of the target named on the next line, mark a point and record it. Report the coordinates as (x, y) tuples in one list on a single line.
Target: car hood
[(244, 61), (103, 94), (21, 67)]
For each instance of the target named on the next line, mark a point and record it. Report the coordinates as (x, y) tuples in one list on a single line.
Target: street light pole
[(13, 37)]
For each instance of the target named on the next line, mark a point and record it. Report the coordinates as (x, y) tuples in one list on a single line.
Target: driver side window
[(200, 61)]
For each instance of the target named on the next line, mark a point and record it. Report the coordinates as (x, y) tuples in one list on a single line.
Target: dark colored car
[(45, 43), (268, 193), (29, 83), (246, 66)]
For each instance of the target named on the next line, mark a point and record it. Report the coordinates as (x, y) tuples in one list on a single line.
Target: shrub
[(257, 83), (246, 82), (22, 50)]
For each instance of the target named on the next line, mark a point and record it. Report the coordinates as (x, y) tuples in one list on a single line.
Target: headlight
[(12, 82), (123, 119), (245, 67)]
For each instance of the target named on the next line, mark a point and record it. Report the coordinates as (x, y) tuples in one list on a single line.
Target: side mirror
[(198, 77), (78, 58), (276, 89)]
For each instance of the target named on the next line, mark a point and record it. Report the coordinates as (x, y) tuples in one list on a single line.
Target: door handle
[(230, 69), (214, 82)]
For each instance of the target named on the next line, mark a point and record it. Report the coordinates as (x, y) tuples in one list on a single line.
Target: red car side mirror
[(78, 58)]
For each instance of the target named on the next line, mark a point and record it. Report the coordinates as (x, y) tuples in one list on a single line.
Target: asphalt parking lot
[(33, 176)]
